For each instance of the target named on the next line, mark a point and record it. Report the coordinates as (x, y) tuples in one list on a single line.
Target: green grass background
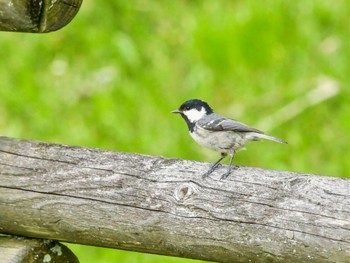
[(111, 77)]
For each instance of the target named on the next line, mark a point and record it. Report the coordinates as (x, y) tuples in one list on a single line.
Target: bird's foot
[(225, 175), (205, 175), (211, 170)]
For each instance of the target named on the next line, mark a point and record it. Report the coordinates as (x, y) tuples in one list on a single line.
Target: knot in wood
[(184, 191)]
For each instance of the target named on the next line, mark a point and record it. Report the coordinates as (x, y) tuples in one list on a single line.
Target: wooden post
[(36, 16), (25, 250), (161, 205)]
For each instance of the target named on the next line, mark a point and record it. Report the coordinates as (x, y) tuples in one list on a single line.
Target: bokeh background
[(111, 77)]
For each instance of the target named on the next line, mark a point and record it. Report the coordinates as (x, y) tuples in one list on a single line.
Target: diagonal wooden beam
[(37, 16)]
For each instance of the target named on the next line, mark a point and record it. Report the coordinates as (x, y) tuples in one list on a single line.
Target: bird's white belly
[(223, 142)]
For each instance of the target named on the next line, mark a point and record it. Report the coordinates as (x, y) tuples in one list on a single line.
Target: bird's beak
[(176, 111)]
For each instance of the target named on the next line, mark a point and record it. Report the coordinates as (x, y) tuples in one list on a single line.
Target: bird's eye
[(187, 108)]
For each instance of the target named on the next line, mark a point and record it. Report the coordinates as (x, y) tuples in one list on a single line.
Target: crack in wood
[(215, 218), (37, 158)]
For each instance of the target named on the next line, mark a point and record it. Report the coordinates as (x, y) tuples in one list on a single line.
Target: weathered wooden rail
[(161, 205), (36, 16)]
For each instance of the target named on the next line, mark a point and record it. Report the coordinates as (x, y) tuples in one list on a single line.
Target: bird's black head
[(193, 110), (196, 104)]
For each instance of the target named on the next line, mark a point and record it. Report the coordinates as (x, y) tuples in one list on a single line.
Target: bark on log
[(36, 16), (161, 205), (25, 250)]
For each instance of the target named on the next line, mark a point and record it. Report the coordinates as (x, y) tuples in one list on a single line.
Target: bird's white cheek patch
[(194, 115)]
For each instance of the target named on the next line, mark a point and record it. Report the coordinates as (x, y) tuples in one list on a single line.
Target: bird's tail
[(269, 137)]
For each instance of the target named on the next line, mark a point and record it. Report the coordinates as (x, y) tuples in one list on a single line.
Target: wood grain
[(162, 205)]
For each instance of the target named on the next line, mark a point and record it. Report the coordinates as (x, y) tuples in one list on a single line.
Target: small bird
[(218, 133)]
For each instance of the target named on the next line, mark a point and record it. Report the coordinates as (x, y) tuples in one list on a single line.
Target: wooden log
[(161, 205), (25, 250), (36, 15)]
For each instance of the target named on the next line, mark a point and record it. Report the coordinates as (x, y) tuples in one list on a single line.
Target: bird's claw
[(205, 175), (211, 170), (225, 175)]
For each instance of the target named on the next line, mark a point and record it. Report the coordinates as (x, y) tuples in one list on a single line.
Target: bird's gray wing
[(215, 122)]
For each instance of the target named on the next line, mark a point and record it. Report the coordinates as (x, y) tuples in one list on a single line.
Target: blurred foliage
[(111, 77)]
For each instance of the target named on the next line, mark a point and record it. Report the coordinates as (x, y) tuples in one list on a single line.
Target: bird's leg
[(214, 166), (224, 176)]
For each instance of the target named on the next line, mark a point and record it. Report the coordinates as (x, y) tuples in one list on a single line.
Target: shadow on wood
[(162, 206), (37, 16)]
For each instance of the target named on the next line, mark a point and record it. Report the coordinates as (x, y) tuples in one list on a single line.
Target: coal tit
[(217, 132)]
